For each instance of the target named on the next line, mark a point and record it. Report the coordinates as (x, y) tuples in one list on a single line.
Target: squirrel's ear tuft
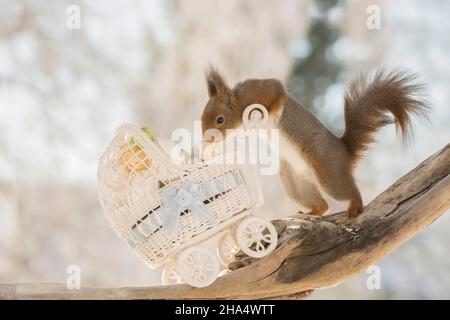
[(216, 84)]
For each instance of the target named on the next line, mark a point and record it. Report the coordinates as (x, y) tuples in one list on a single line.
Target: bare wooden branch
[(314, 252)]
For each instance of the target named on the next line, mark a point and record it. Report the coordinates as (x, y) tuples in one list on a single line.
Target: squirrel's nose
[(212, 135), (210, 139)]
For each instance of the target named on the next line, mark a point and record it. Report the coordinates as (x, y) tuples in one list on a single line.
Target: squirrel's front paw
[(354, 209)]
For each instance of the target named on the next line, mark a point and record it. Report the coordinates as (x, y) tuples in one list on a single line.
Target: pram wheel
[(227, 248), (198, 266), (170, 275), (256, 237)]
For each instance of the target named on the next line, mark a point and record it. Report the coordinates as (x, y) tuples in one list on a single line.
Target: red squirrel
[(314, 160)]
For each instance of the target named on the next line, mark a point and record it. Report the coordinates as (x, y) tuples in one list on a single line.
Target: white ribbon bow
[(175, 201)]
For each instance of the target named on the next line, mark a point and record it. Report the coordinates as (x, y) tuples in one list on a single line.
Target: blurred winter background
[(63, 91)]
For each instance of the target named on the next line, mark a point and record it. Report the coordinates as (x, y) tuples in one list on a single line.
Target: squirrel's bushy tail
[(391, 97)]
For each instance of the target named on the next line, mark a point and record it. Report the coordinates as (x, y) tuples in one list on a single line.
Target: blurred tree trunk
[(318, 66)]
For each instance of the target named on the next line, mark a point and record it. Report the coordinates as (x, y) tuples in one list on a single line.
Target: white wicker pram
[(162, 210)]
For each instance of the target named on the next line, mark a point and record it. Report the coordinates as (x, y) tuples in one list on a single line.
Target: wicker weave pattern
[(132, 174)]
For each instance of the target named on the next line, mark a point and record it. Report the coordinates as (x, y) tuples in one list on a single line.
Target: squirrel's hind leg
[(301, 190), (340, 184)]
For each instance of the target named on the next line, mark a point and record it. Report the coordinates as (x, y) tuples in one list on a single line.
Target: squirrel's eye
[(220, 120)]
